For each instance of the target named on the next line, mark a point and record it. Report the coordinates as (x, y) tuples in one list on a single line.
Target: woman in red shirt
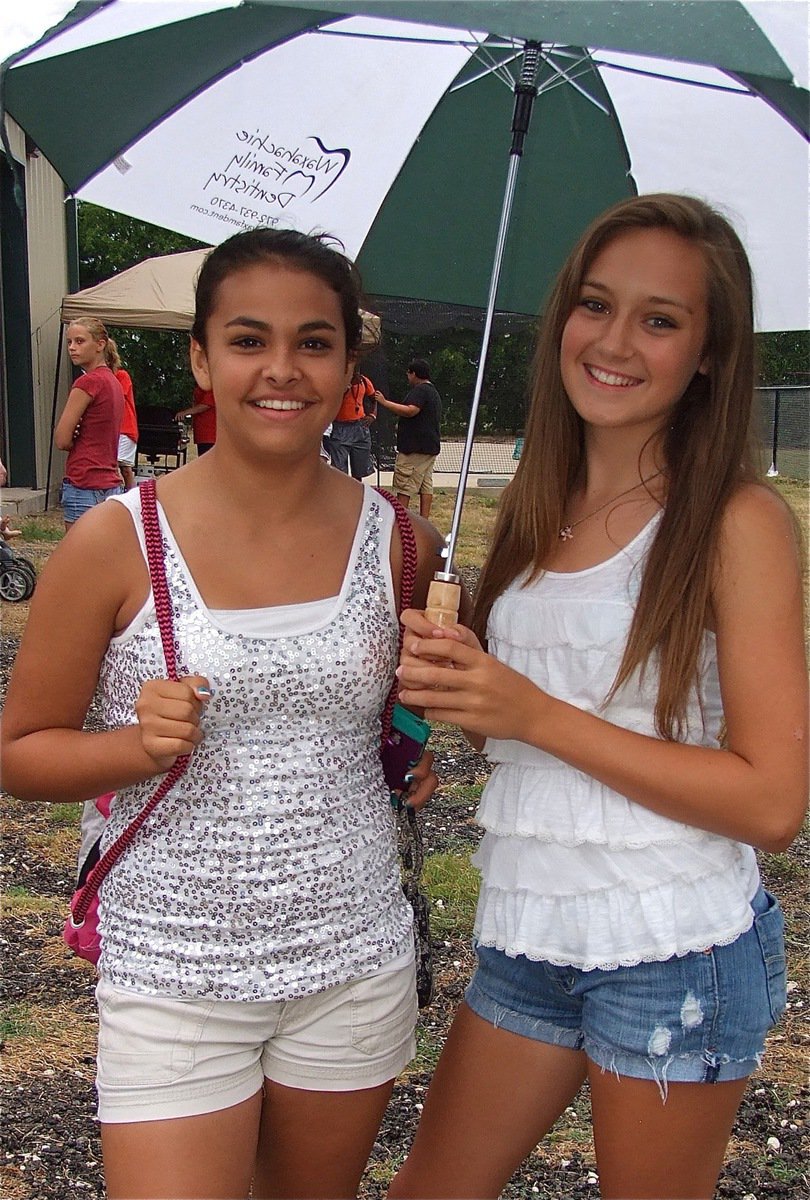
[(90, 421)]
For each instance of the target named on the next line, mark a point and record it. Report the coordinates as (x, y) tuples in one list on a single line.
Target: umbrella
[(393, 134)]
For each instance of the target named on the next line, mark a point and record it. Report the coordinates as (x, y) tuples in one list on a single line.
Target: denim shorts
[(697, 1018), (76, 500)]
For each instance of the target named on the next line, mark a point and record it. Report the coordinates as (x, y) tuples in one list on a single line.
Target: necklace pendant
[(566, 533)]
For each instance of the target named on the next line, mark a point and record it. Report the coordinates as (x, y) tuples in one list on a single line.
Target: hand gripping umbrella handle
[(444, 595)]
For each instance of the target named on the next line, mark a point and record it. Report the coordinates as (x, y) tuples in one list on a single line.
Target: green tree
[(784, 357), (157, 360)]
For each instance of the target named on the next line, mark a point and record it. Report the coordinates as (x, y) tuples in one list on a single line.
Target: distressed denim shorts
[(77, 501), (698, 1018)]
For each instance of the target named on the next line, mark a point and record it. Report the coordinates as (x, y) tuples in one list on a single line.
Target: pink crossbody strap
[(406, 586), (163, 609)]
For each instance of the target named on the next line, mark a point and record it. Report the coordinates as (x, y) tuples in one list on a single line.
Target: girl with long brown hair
[(643, 700)]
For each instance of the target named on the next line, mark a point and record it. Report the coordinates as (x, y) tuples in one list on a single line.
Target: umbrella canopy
[(210, 116), (159, 294)]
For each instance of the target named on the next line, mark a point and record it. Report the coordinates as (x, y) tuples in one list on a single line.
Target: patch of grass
[(428, 1048), (458, 794), (477, 522), (65, 1032), (64, 814), (380, 1173), (16, 1021), (573, 1129), (783, 868), (18, 900), (452, 884), (43, 528)]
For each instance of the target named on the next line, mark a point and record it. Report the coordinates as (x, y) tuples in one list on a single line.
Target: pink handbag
[(81, 930)]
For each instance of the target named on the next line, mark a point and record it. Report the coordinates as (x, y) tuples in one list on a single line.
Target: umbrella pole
[(445, 590)]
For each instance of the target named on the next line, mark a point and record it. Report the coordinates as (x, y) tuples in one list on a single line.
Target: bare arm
[(190, 412), (755, 790), (402, 410), (78, 402), (79, 604)]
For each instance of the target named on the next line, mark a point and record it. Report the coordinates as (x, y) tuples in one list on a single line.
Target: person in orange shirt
[(128, 433), (349, 442)]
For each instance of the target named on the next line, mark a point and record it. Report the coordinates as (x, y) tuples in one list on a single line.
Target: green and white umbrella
[(387, 123), (206, 115)]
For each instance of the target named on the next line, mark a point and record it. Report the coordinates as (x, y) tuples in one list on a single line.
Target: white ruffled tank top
[(573, 873)]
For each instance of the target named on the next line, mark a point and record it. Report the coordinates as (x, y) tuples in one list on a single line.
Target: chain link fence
[(784, 430), (782, 414)]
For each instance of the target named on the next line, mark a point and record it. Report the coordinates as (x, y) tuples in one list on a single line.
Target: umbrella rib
[(484, 52), (568, 76), (498, 69), (357, 35), (692, 83)]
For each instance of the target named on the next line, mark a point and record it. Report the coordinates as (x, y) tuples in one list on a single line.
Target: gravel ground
[(50, 1145)]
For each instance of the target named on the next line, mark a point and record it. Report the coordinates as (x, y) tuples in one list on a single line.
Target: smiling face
[(636, 336), (85, 350), (275, 357)]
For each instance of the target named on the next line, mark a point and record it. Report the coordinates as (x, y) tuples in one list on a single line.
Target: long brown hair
[(707, 451)]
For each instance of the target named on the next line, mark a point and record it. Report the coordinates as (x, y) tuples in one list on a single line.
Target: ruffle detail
[(568, 638), (591, 908), (552, 802)]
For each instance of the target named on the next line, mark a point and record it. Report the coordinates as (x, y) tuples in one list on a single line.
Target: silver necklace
[(567, 531)]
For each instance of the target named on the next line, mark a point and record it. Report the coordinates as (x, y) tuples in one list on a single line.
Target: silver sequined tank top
[(270, 871)]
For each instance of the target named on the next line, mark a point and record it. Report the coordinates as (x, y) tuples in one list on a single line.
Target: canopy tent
[(155, 294), (158, 293)]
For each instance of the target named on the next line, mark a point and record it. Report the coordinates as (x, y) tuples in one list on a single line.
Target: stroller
[(18, 575)]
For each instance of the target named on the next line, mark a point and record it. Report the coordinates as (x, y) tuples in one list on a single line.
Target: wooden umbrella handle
[(443, 602)]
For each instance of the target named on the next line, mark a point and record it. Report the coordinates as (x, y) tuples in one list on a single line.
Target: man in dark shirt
[(418, 434)]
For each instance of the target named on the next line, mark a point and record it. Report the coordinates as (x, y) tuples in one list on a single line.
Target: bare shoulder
[(101, 532), (99, 564), (759, 501), (760, 551), (757, 520), (428, 539)]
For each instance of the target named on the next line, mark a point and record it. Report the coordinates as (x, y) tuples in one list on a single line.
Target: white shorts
[(160, 1057), (127, 449)]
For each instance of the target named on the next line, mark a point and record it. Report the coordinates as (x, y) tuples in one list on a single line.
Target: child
[(90, 421), (256, 992), (642, 595), (128, 433)]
